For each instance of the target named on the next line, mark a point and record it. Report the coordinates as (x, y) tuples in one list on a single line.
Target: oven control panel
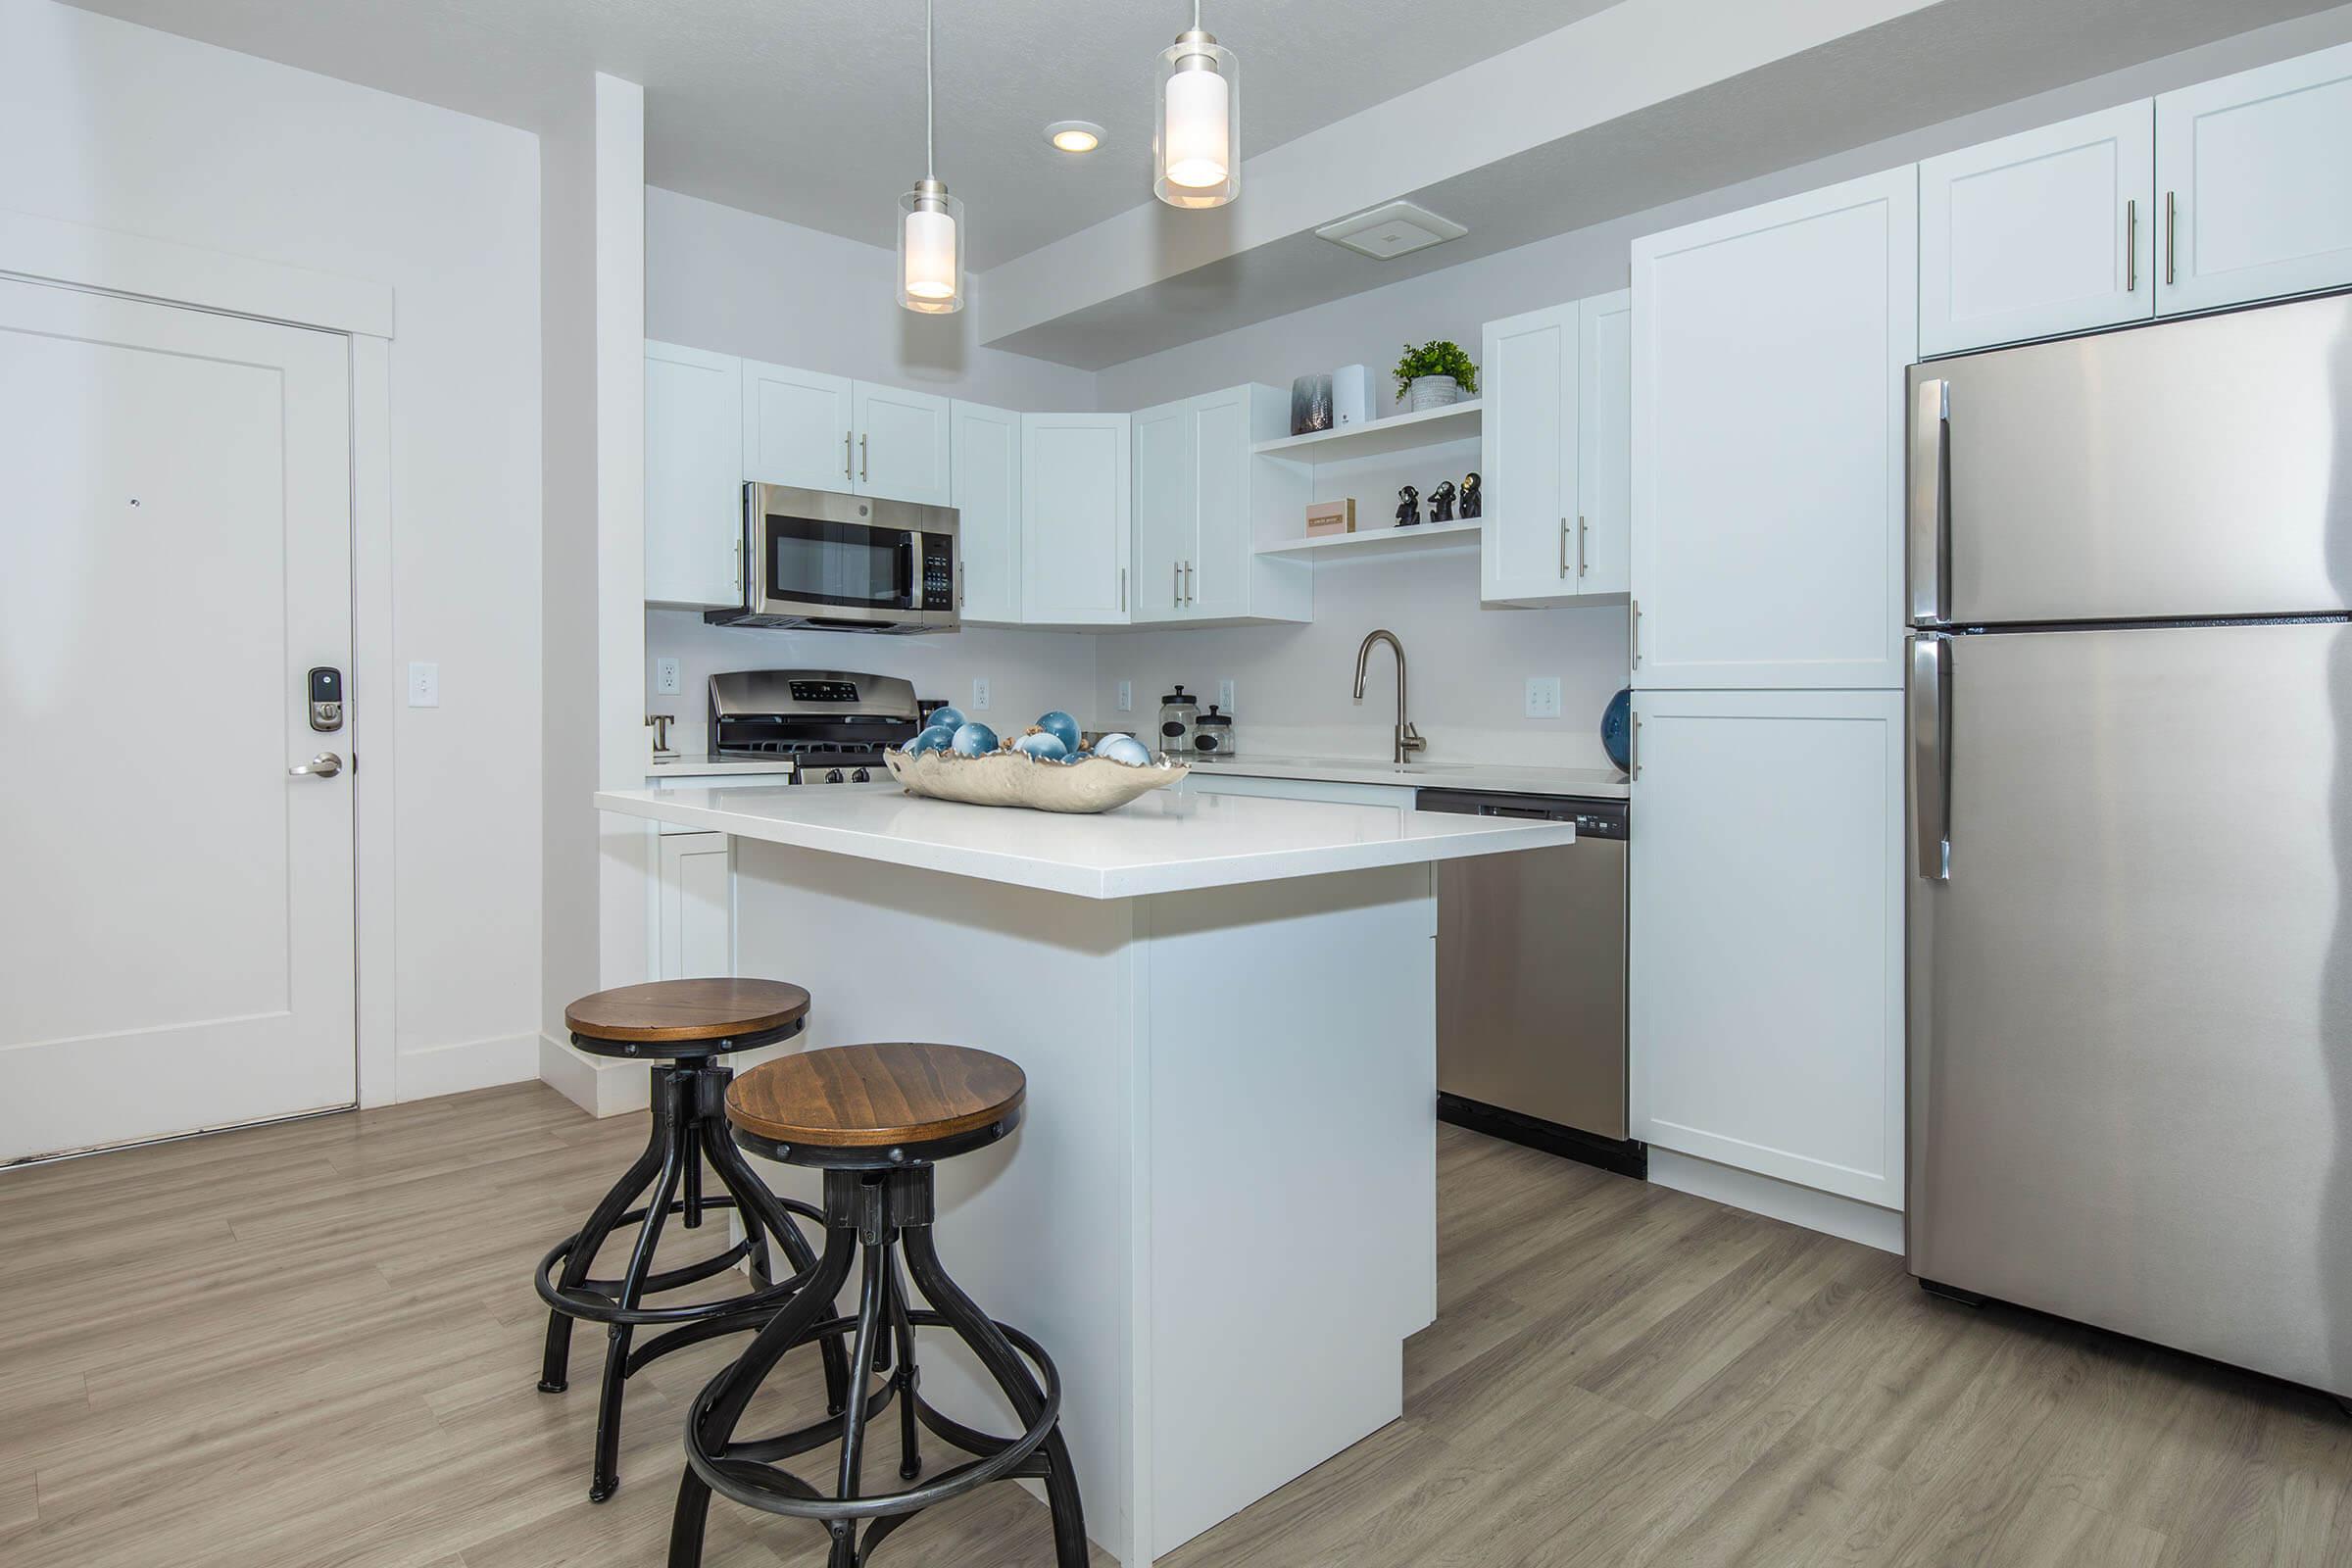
[(823, 691)]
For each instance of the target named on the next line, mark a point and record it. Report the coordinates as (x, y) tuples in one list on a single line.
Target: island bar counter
[(1219, 1213)]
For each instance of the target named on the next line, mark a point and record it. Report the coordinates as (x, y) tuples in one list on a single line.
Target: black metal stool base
[(688, 1127), (883, 1215)]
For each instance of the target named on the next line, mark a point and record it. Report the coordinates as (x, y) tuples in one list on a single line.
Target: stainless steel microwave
[(838, 562)]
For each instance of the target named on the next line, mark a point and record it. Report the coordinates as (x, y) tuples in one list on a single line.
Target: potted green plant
[(1434, 375)]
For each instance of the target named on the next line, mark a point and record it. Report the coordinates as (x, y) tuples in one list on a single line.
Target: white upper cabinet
[(1554, 453), (1765, 904), (1527, 438), (904, 445), (1166, 509), (1074, 519), (797, 427), (987, 464), (2255, 175), (1768, 352), (2039, 234), (1604, 470), (692, 477)]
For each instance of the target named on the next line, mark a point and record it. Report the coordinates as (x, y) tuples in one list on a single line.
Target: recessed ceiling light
[(1075, 135)]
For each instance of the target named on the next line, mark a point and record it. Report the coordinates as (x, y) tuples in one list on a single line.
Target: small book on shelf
[(1331, 517)]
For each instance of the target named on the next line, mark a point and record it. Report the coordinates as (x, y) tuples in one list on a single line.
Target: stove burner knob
[(833, 777), (861, 776)]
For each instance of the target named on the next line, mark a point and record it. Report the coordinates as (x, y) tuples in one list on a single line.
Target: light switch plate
[(1543, 695), (425, 684), (979, 693), (1126, 701), (1225, 697), (666, 677)]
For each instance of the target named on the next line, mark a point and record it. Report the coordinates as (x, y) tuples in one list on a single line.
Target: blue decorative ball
[(933, 739), (1122, 749), (1617, 729), (1062, 726), (1114, 735), (973, 739), (949, 719), (1043, 744)]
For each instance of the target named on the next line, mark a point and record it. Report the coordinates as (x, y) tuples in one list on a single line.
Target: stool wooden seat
[(684, 1018), (868, 1096), (682, 1027), (876, 1119)]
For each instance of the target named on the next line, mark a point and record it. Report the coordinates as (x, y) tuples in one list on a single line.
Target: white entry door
[(174, 557)]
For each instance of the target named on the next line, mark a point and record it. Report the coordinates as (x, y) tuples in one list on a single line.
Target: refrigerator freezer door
[(2188, 470), (2130, 1038)]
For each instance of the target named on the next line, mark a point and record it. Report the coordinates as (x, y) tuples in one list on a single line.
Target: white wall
[(123, 128)]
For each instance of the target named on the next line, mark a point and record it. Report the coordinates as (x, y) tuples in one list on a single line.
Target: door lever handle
[(326, 764)]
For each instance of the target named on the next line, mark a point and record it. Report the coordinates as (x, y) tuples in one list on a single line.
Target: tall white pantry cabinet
[(1766, 988)]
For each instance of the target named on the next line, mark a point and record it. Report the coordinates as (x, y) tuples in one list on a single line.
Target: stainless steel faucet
[(1407, 738)]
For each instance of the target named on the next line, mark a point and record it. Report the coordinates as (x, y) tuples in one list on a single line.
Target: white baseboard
[(1769, 1195), (601, 1086), (453, 1069)]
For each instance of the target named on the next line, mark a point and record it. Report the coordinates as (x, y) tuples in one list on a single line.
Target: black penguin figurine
[(1471, 502), (1408, 507)]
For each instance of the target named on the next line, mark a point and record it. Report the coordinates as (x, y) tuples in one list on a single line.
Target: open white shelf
[(1380, 541), (1401, 432)]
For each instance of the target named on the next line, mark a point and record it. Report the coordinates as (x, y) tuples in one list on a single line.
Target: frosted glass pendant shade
[(1196, 151), (930, 250)]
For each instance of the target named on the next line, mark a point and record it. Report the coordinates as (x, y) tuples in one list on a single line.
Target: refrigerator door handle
[(1930, 521), (1932, 754)]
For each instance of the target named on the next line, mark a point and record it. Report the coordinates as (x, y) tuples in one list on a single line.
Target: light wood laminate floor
[(316, 1344)]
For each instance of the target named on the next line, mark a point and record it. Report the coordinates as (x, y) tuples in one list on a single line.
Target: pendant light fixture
[(1196, 149), (930, 224)]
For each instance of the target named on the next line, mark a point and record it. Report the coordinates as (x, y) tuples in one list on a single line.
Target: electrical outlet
[(1543, 695), (1225, 696), (424, 685), (979, 693), (1126, 701), (666, 677)]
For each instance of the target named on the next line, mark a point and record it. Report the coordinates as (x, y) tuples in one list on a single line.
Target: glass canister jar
[(1179, 711), (1212, 734)]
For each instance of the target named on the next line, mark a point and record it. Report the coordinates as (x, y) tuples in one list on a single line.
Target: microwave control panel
[(939, 571)]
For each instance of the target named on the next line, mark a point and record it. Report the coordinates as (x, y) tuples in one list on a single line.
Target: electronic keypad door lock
[(326, 698)]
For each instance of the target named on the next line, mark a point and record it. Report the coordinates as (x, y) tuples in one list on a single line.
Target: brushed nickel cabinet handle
[(2172, 237), (845, 471), (1122, 590), (1580, 547), (862, 457), (2131, 246), (1563, 547)]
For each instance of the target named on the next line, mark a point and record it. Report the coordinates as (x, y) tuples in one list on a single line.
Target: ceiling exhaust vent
[(1391, 229)]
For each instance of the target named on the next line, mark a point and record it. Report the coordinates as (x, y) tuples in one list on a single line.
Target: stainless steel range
[(834, 723)]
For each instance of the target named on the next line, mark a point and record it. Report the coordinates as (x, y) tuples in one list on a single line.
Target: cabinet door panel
[(987, 464), (904, 452), (1526, 454), (692, 477), (1605, 445), (1216, 579), (697, 906), (2256, 168), (1766, 934), (1769, 353), (1074, 519), (1165, 509), (796, 427), (2040, 233)]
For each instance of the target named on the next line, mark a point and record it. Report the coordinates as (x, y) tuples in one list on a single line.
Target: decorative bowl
[(1009, 778)]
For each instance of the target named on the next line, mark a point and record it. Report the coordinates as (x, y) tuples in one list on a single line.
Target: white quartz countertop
[(1594, 783), (1164, 843)]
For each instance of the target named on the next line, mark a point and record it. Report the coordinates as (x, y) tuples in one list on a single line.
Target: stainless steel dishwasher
[(1531, 982)]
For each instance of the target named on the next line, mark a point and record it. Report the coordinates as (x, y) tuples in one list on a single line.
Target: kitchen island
[(1219, 1213)]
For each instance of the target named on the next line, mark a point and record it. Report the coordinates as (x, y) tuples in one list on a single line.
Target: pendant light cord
[(929, 160)]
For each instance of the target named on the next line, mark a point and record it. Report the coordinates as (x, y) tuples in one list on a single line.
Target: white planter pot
[(1434, 392)]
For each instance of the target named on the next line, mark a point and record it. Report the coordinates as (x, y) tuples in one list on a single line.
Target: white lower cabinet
[(1766, 918), (988, 514), (695, 906), (2045, 232)]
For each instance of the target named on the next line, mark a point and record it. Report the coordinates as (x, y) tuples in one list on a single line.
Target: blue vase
[(1617, 729)]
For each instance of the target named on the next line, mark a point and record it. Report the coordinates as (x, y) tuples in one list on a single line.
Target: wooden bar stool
[(680, 1027), (875, 1119)]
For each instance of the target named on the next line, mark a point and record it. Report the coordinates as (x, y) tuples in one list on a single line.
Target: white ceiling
[(812, 111)]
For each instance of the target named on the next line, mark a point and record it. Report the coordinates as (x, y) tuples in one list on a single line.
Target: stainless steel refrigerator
[(2131, 907)]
